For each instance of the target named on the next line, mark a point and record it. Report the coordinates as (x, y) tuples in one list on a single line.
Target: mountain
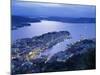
[(77, 48), (32, 47), (71, 19), (28, 49), (20, 21), (78, 56)]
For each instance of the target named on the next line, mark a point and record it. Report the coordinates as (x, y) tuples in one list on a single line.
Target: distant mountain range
[(21, 21), (71, 19)]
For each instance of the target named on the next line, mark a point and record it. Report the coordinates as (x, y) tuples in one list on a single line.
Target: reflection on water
[(77, 30), (55, 49)]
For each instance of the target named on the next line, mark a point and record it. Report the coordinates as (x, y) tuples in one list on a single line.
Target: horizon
[(41, 9)]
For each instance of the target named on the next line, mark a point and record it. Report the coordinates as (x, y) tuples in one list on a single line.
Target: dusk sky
[(32, 9)]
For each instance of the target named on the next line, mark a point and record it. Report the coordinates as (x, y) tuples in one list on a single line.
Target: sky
[(87, 2), (34, 9)]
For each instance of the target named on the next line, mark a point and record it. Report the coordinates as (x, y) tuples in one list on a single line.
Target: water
[(78, 31), (55, 49)]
